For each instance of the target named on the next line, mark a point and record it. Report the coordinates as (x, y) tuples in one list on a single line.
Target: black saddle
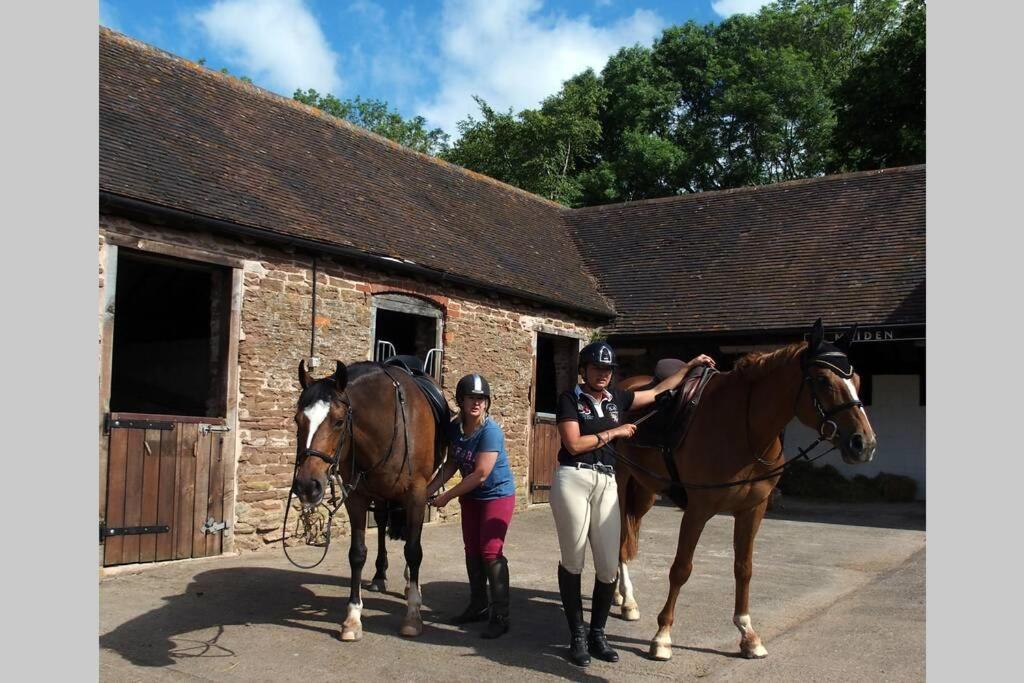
[(414, 366)]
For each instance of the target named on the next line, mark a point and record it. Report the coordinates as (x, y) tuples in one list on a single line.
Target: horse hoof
[(756, 652), (630, 613), (617, 599), (351, 633), (412, 629), (377, 586), (661, 651)]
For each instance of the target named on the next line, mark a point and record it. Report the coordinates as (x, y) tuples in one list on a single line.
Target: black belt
[(597, 467)]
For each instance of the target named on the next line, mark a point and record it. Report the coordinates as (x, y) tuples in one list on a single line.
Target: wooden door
[(544, 457), (165, 488)]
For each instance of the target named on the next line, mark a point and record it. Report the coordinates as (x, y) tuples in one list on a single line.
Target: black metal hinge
[(138, 424), (539, 487), (108, 531)]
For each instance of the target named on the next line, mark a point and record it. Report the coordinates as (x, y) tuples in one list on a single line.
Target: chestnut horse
[(372, 426), (730, 458)]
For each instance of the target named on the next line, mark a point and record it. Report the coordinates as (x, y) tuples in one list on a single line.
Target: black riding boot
[(477, 609), (572, 603), (600, 604), (497, 580)]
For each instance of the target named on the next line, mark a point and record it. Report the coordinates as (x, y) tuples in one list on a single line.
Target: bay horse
[(729, 461), (374, 427)]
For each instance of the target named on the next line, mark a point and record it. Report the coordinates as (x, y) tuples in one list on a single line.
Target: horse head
[(828, 396), (323, 425)]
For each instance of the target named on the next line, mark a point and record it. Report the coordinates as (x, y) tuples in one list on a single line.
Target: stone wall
[(482, 334)]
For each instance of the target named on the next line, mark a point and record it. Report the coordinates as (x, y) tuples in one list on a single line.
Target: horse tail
[(634, 503), (397, 525)]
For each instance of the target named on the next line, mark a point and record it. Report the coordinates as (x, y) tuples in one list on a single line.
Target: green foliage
[(801, 88), (375, 116), (881, 103), (540, 150)]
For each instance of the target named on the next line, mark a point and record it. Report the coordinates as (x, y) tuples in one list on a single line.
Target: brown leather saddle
[(667, 428)]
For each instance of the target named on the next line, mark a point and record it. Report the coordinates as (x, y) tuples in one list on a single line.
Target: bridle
[(825, 360), (334, 479)]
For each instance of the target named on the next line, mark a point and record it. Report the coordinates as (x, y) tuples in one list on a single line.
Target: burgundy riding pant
[(484, 523)]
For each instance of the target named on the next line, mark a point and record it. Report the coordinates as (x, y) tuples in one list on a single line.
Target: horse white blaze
[(853, 392), (315, 414)]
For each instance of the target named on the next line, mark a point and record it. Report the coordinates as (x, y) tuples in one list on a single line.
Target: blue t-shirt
[(488, 438)]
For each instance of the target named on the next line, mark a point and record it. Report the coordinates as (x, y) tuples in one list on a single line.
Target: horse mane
[(757, 364), (323, 389)]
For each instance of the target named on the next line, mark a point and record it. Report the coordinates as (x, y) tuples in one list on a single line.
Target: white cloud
[(277, 43), (725, 8), (513, 54)]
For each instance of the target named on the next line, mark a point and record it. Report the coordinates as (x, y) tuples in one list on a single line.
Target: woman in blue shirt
[(487, 496)]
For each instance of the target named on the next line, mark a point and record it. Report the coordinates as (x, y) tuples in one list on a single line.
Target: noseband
[(834, 361)]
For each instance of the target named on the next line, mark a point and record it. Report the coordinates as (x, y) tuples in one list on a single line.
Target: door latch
[(212, 527)]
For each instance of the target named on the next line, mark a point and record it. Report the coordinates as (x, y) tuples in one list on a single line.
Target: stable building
[(750, 269), (241, 232)]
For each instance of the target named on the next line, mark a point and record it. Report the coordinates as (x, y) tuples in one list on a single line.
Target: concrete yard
[(838, 594)]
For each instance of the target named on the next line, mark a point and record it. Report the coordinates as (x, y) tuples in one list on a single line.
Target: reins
[(333, 475), (674, 482)]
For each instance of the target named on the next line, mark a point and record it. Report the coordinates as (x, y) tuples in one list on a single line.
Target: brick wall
[(482, 334)]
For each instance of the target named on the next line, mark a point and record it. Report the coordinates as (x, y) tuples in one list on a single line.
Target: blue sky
[(423, 58)]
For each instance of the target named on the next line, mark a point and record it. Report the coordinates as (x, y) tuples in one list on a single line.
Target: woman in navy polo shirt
[(487, 496), (584, 498)]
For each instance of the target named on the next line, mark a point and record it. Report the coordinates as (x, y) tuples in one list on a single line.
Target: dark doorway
[(170, 336)]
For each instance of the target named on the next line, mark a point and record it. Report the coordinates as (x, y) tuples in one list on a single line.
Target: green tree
[(802, 87), (539, 150), (881, 103), (375, 116)]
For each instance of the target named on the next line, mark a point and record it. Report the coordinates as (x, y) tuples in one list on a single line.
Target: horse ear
[(304, 379), (340, 377), (844, 342), (817, 335)]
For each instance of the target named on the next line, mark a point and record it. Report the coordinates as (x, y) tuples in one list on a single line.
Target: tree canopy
[(801, 88), (375, 116)]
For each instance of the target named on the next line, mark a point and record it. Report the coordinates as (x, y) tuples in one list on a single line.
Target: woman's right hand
[(624, 430)]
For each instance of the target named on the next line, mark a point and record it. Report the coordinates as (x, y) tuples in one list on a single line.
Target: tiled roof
[(847, 248), (178, 135)]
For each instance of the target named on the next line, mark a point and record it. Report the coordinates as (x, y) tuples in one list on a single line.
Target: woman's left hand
[(441, 500), (702, 359)]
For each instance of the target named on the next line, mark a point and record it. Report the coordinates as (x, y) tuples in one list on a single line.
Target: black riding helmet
[(472, 385), (597, 353)]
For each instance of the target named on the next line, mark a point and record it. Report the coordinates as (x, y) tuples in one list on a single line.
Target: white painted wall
[(898, 421)]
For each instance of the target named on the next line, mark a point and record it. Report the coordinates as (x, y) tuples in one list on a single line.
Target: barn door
[(554, 372), (165, 488), (166, 450), (543, 457)]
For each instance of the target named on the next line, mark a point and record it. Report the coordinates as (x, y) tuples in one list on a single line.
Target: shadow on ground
[(910, 516), (227, 600)]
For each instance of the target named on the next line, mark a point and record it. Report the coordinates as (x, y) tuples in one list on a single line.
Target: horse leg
[(744, 530), (635, 501), (352, 627), (379, 583), (630, 610), (622, 482), (415, 508), (689, 533)]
